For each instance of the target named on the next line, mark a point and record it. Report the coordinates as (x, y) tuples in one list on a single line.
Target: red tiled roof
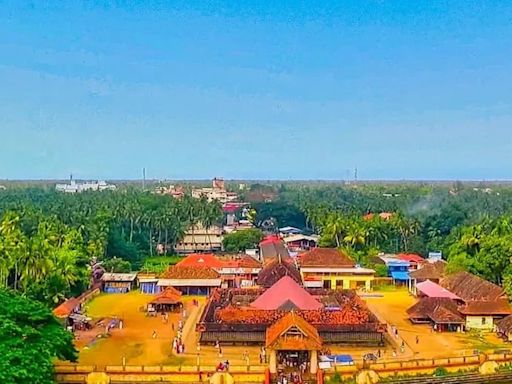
[(498, 307), (411, 257), (325, 257), (241, 261), (472, 288), (187, 272), (432, 271), (438, 309), (276, 269), (270, 239), (65, 309), (168, 296), (200, 260), (276, 338), (284, 292)]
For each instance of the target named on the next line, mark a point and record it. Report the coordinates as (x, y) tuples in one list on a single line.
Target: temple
[(292, 322)]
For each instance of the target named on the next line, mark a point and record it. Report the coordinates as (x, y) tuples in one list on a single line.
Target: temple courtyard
[(147, 340)]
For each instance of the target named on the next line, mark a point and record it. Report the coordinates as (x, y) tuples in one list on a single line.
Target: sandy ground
[(135, 342), (391, 308)]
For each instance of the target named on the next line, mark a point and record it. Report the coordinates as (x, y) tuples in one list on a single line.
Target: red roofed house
[(413, 259), (286, 295), (330, 268), (235, 270), (485, 303)]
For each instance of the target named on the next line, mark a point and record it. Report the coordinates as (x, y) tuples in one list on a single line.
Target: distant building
[(216, 192), (200, 239), (329, 268), (175, 191), (77, 187)]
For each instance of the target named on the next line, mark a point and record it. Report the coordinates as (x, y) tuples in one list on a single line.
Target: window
[(483, 320)]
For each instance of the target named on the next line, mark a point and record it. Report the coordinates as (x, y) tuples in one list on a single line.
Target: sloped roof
[(325, 257), (277, 269), (286, 289), (431, 289), (411, 257), (432, 271), (188, 272), (65, 309), (310, 339), (495, 307), (471, 288), (438, 309), (505, 325), (240, 261), (273, 249), (169, 296), (201, 260), (442, 314)]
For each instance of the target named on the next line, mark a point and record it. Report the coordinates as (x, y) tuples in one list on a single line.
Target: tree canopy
[(30, 339)]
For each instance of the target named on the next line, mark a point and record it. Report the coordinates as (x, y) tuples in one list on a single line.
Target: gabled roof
[(201, 260), (187, 272), (240, 261), (411, 257), (169, 296), (505, 325), (277, 269), (65, 309), (431, 289), (429, 271), (276, 334), (496, 307), (325, 257), (471, 288), (438, 309), (273, 249), (285, 290)]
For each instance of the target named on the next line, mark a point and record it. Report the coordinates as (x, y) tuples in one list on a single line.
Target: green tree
[(239, 241), (30, 339), (117, 265)]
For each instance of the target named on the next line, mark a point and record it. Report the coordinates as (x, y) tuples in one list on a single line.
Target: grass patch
[(158, 264)]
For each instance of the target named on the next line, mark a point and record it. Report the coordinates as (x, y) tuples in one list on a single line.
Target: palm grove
[(47, 243)]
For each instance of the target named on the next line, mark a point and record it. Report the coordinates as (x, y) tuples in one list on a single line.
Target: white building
[(74, 187)]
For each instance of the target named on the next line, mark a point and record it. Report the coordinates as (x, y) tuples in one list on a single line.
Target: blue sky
[(246, 89)]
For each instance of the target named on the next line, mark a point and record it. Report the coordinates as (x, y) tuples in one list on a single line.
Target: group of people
[(292, 378), (223, 366), (177, 342)]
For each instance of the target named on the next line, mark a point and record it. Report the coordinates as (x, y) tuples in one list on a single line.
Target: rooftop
[(472, 288), (431, 289), (286, 292), (325, 257)]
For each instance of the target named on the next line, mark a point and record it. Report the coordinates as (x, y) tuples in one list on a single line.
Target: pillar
[(273, 362), (368, 285), (313, 366), (333, 283), (346, 283)]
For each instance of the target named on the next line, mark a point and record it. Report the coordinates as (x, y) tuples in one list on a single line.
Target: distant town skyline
[(401, 90)]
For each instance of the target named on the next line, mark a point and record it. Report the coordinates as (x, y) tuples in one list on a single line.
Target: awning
[(400, 275)]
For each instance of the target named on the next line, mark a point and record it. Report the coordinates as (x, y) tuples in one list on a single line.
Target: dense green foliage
[(468, 223), (30, 338), (48, 239), (241, 240)]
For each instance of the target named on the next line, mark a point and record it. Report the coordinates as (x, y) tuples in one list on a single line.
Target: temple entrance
[(293, 344), (288, 361)]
